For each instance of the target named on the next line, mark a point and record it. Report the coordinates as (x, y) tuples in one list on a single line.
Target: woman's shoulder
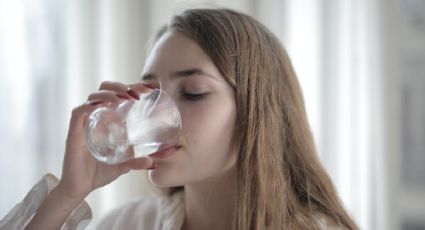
[(147, 212)]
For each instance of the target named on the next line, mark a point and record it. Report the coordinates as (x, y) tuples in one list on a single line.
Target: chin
[(162, 179)]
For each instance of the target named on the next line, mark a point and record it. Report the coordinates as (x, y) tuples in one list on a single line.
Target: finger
[(123, 168), (137, 164), (80, 115), (107, 96), (121, 89), (114, 86), (139, 88), (142, 87)]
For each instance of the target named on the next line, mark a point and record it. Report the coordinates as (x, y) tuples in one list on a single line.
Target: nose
[(169, 87)]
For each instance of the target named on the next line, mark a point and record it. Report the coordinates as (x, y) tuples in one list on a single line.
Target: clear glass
[(134, 128)]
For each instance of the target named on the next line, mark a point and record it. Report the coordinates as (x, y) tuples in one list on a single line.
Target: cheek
[(208, 129), (207, 138)]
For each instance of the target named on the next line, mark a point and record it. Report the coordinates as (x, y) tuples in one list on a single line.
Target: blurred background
[(361, 64)]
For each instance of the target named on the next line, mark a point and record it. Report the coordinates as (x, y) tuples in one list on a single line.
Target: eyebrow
[(180, 74)]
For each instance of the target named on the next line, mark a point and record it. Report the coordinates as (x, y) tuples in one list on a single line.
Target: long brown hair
[(281, 183)]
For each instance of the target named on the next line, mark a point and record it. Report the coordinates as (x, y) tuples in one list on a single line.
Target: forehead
[(175, 49)]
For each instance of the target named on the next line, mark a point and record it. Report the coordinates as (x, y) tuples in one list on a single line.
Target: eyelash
[(193, 96)]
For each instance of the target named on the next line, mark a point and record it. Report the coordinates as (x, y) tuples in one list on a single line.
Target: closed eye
[(193, 96)]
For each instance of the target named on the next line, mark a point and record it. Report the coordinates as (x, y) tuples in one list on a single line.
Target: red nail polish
[(97, 102), (133, 94), (150, 86), (123, 97)]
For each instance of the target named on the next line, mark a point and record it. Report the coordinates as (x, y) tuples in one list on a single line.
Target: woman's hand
[(82, 173)]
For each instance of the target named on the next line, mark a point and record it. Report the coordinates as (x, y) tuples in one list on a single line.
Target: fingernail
[(133, 94), (150, 86), (97, 102), (123, 97), (154, 165)]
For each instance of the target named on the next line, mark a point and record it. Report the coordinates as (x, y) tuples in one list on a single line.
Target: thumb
[(138, 163)]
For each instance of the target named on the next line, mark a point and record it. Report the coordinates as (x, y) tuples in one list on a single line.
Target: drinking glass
[(133, 128)]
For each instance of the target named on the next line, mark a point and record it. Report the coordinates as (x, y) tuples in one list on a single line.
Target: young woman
[(246, 157)]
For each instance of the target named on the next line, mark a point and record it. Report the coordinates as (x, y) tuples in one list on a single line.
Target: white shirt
[(150, 213)]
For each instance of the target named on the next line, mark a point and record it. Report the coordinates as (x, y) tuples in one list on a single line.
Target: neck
[(210, 204)]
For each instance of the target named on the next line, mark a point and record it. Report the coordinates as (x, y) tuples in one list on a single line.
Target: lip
[(165, 151)]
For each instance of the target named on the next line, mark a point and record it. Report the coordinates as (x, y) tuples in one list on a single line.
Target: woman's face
[(207, 106)]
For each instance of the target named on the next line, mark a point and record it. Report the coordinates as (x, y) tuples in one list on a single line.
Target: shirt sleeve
[(22, 213)]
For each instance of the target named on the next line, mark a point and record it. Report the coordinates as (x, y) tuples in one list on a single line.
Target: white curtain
[(32, 101), (54, 53)]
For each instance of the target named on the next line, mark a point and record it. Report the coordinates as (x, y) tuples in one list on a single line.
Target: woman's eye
[(193, 96)]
